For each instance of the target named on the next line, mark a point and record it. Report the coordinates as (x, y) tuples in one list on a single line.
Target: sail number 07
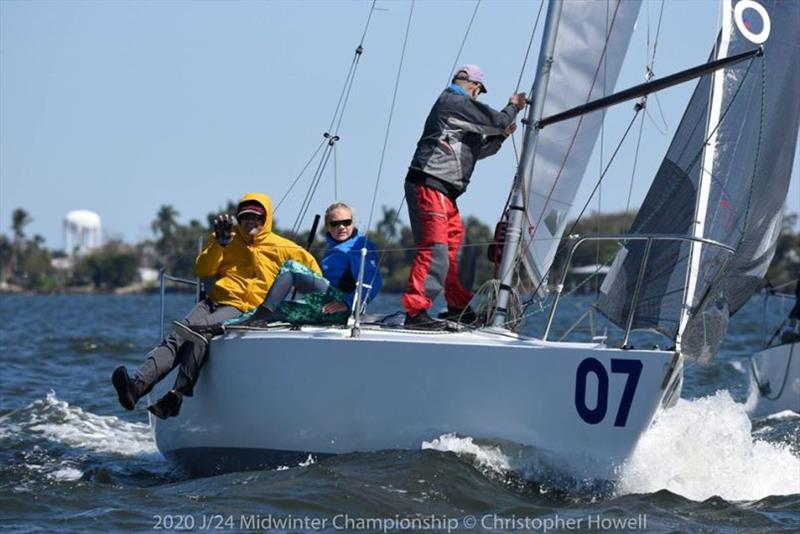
[(632, 368)]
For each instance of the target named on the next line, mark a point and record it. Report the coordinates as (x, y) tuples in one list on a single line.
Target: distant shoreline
[(133, 289)]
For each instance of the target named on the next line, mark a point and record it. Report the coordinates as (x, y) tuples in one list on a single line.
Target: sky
[(120, 107)]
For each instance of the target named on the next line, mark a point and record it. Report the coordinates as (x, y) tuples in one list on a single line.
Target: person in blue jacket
[(335, 291)]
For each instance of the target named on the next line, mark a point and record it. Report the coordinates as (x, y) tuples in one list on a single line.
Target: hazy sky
[(120, 107)]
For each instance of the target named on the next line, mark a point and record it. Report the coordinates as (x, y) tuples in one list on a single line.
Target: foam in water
[(704, 447), (308, 462), (488, 457), (56, 420), (66, 474), (780, 416), (738, 365)]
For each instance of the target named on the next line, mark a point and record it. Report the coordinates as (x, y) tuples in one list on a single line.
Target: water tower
[(81, 231)]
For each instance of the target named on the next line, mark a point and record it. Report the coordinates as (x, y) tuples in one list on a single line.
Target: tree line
[(26, 264)]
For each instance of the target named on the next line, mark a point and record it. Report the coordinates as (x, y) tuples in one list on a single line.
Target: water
[(72, 460)]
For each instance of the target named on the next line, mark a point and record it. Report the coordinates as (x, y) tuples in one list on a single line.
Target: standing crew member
[(459, 131), (245, 263)]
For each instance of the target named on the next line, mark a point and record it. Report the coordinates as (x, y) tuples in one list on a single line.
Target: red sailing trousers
[(438, 233)]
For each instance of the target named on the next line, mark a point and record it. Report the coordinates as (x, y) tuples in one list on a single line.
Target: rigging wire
[(635, 159), (391, 116), (589, 200), (602, 153), (335, 174), (299, 175), (331, 136), (694, 162), (326, 154), (519, 80), (528, 50), (386, 142), (463, 42), (649, 75)]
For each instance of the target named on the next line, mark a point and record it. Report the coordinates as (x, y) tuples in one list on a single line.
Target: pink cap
[(472, 73)]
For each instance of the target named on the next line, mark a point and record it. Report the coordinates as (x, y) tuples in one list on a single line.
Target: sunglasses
[(343, 222), (249, 217)]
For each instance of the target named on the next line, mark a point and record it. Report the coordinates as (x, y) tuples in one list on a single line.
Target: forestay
[(593, 38), (725, 177)]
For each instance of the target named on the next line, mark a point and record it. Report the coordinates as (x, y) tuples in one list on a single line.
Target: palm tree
[(389, 226), (19, 220), (7, 258), (164, 226)]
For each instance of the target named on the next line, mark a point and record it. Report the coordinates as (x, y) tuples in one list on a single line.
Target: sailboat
[(775, 380), (775, 370), (704, 235)]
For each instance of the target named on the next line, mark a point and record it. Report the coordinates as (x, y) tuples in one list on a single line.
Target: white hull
[(266, 398), (777, 370)]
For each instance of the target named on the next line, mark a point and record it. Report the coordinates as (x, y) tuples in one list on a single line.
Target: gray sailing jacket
[(458, 131)]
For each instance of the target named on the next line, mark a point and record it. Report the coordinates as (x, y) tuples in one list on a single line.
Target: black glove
[(223, 229)]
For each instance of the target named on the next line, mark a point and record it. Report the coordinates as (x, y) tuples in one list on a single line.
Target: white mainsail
[(593, 38)]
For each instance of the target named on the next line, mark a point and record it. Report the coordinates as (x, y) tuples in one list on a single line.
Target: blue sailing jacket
[(341, 263)]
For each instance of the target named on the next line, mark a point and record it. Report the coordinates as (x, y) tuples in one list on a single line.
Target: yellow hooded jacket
[(247, 266)]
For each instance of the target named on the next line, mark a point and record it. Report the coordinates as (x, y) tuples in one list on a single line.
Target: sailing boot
[(466, 316), (129, 390), (167, 406), (423, 321)]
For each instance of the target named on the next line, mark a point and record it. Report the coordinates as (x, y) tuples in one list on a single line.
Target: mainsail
[(724, 178), (593, 38)]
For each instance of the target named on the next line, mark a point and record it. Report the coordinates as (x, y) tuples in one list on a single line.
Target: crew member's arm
[(474, 116), (492, 144), (209, 260)]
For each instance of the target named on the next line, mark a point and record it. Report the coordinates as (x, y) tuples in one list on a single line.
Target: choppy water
[(72, 459)]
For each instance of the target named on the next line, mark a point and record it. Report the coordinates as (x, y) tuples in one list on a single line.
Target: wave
[(697, 449), (485, 456), (58, 421), (703, 448)]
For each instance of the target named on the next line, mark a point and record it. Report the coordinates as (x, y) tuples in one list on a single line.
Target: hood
[(266, 203)]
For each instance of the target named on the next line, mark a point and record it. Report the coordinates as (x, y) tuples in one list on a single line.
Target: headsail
[(593, 38), (729, 165)]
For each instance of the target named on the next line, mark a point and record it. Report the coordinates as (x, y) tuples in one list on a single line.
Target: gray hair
[(337, 205)]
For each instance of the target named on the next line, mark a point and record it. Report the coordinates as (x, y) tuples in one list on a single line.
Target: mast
[(525, 167), (706, 174)]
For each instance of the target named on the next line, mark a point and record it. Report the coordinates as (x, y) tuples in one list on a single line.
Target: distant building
[(81, 232)]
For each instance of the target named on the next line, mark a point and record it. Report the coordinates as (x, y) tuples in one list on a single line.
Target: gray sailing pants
[(175, 351)]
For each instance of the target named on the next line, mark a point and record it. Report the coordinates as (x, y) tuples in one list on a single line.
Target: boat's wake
[(49, 439), (698, 449), (58, 421), (705, 447), (523, 468)]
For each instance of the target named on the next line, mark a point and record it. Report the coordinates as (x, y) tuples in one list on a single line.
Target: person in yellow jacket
[(245, 256)]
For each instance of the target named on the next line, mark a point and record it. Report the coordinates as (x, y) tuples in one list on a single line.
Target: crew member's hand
[(510, 130), (518, 100), (223, 229), (334, 307)]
